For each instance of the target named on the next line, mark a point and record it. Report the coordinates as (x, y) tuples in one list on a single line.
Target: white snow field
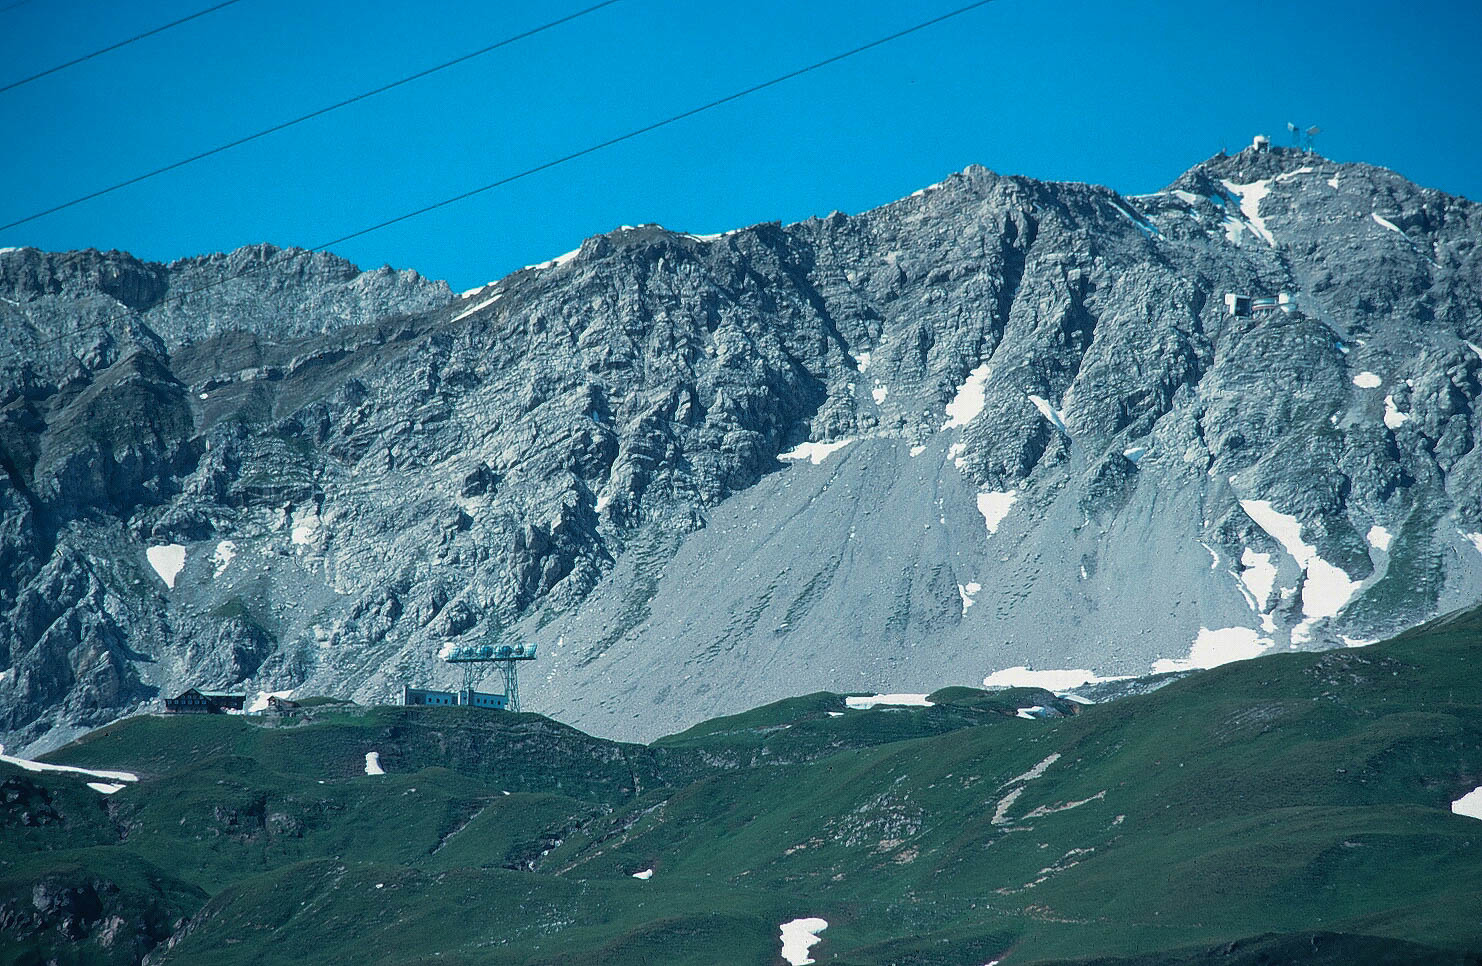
[(167, 561), (1393, 418), (1212, 648), (969, 399), (1056, 418), (995, 506), (373, 763), (1250, 196), (798, 936), (226, 552), (1469, 804), (1023, 677), (814, 453), (1327, 588), (901, 700)]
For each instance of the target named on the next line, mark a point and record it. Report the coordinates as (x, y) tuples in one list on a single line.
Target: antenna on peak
[(1296, 134), (1312, 133)]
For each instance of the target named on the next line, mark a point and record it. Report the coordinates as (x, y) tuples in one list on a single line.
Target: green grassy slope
[(1293, 808)]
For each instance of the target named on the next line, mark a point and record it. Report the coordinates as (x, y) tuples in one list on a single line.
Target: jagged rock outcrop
[(1019, 425)]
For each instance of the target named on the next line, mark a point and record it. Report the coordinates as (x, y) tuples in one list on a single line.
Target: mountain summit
[(1000, 423)]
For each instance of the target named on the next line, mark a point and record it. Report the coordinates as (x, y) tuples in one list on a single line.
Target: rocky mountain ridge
[(999, 423)]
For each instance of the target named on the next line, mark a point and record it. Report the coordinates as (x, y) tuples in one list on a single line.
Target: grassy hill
[(1294, 808)]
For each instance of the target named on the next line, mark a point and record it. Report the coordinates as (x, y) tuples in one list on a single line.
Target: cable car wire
[(564, 159), (309, 116), (111, 47)]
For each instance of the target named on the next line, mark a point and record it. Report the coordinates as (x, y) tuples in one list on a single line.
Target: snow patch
[(167, 561), (1142, 225), (645, 875), (373, 763), (1250, 196), (814, 453), (1475, 348), (1324, 594), (107, 788), (1333, 181), (917, 450), (1327, 588), (879, 393), (308, 528), (967, 592), (1393, 418), (1367, 380), (40, 766), (1469, 804), (1212, 648), (558, 261), (1292, 174), (1060, 680), (859, 703), (1233, 227), (1258, 575), (1383, 222), (1379, 538), (798, 936), (1359, 641), (482, 305), (260, 703), (1049, 412), (1134, 454), (995, 506), (862, 362), (226, 552), (1029, 713), (968, 401), (1474, 538)]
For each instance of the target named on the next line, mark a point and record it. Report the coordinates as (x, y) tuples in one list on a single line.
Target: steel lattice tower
[(476, 659)]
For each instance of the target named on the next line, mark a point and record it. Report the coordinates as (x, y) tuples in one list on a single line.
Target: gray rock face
[(1018, 425)]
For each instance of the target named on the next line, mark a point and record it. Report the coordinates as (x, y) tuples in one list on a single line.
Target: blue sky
[(1127, 94)]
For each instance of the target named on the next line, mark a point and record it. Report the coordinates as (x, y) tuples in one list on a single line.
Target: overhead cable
[(547, 165), (111, 47), (309, 116)]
